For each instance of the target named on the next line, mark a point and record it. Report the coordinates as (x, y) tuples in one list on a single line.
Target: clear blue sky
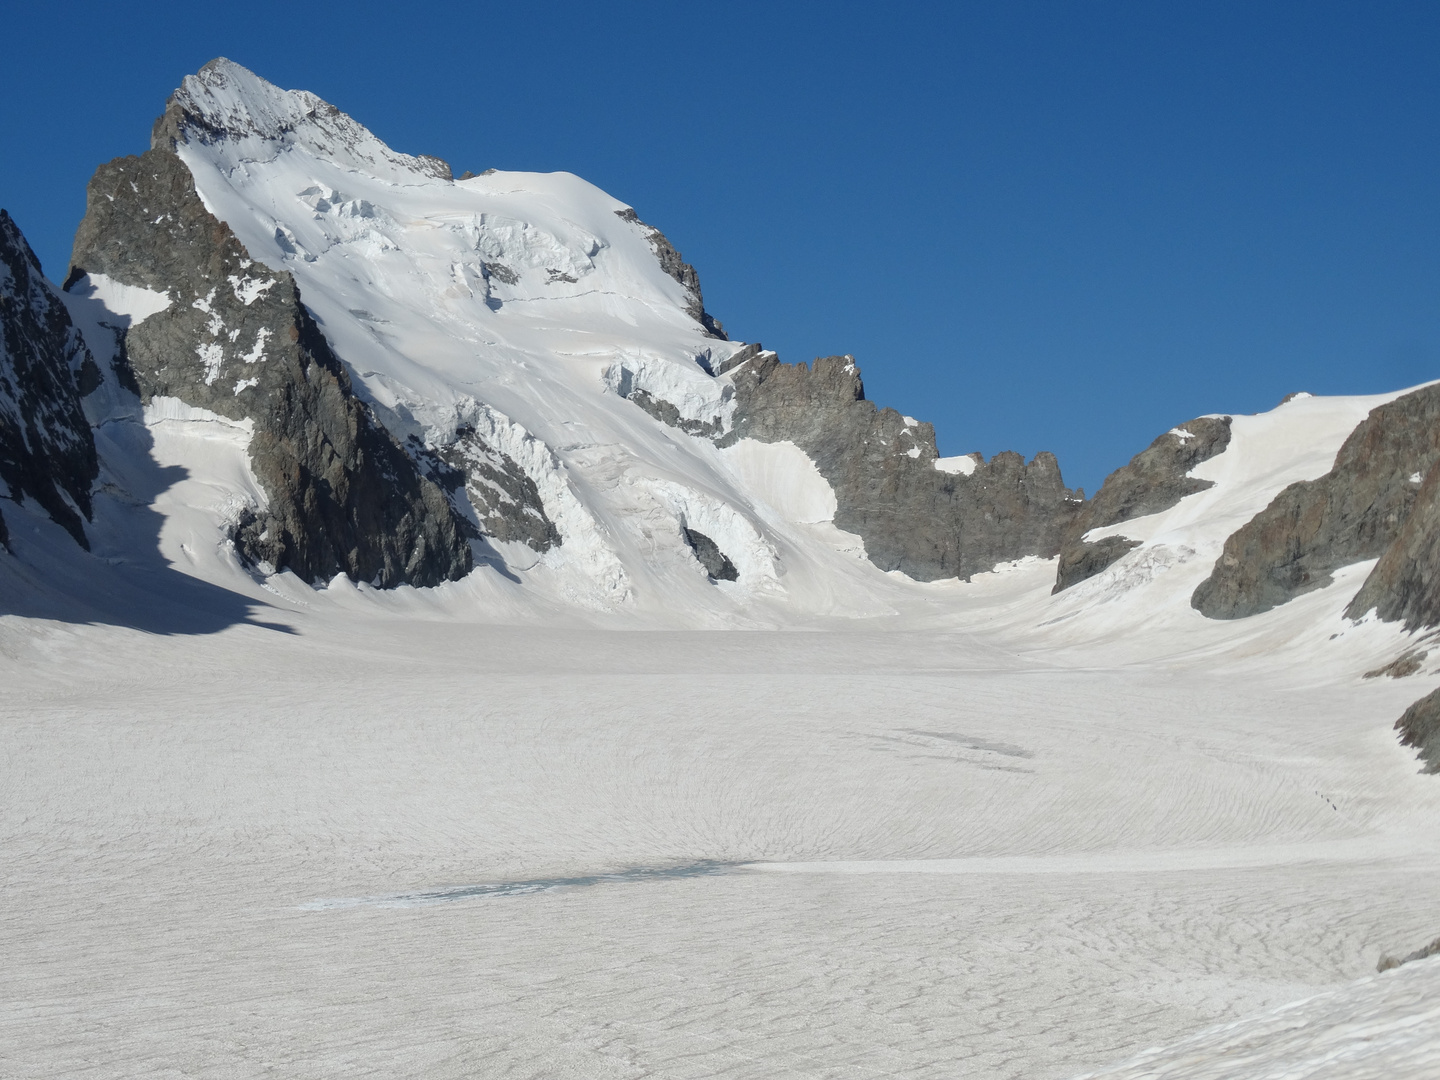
[(1060, 226)]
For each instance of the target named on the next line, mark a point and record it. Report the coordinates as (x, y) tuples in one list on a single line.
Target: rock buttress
[(1154, 480), (1405, 584), (1419, 727), (47, 450), (912, 517), (343, 496), (1314, 527)]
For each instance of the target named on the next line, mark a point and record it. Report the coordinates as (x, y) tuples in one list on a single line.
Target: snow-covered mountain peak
[(497, 325), (225, 101)]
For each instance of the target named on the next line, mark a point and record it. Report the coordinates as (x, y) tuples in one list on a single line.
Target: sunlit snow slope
[(520, 304)]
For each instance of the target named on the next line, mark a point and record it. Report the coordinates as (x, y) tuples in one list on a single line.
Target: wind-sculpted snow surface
[(547, 851), (1379, 1028)]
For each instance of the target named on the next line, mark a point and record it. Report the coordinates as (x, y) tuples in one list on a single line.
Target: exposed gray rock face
[(1352, 513), (1404, 665), (717, 564), (343, 496), (1154, 480), (667, 413), (674, 265), (47, 450), (500, 272), (504, 499), (1424, 952), (743, 354), (1405, 584), (1079, 560), (1419, 727), (912, 517)]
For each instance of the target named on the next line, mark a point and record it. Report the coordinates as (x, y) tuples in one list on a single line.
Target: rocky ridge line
[(913, 517), (675, 265), (1154, 480), (204, 109), (47, 450), (1354, 512)]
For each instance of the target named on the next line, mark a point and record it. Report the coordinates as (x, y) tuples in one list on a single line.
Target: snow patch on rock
[(695, 395), (965, 464), (736, 537), (125, 305), (782, 476), (596, 576)]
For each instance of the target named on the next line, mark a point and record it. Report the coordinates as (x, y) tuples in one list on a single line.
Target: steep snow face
[(530, 293)]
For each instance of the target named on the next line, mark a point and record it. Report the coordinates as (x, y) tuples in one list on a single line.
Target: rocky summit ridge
[(410, 379)]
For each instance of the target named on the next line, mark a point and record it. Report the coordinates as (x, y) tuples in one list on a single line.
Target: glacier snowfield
[(293, 849), (589, 813)]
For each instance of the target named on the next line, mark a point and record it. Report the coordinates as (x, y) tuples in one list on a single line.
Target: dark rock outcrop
[(47, 450), (1388, 963), (673, 264), (1419, 727), (1154, 480), (502, 496), (343, 496), (1157, 478), (1080, 560), (1352, 513), (667, 413), (716, 563), (740, 356), (912, 517), (1404, 665), (1405, 584)]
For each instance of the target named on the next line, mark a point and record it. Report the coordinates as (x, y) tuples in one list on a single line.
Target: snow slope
[(1379, 1027), (521, 296), (358, 844)]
